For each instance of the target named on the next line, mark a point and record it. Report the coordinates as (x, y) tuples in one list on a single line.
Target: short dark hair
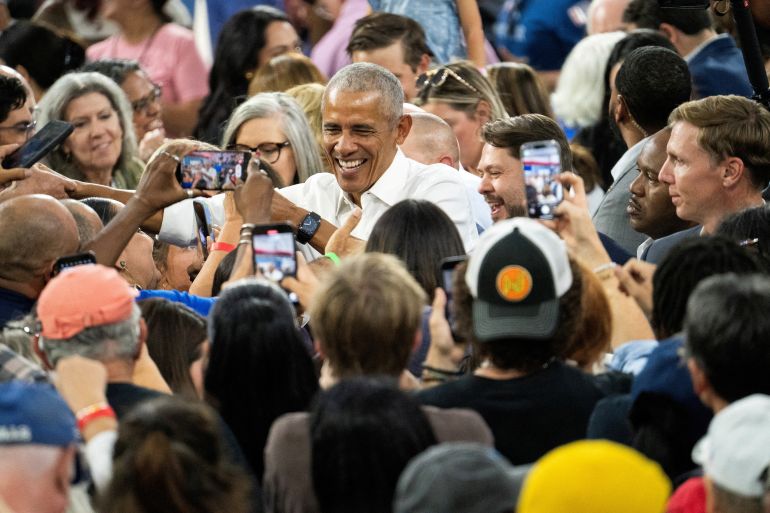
[(683, 268), (728, 334), (45, 54), (747, 226), (653, 82), (648, 14), (512, 132), (116, 69), (421, 235), (382, 29), (259, 366), (13, 95), (363, 433)]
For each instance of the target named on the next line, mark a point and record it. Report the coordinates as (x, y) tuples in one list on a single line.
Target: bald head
[(36, 231), (86, 218), (431, 141)]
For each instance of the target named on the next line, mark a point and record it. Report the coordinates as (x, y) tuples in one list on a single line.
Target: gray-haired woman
[(102, 148)]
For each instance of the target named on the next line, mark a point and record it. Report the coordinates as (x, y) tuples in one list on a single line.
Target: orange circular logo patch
[(514, 283)]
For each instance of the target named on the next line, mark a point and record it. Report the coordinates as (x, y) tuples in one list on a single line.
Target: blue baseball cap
[(35, 414)]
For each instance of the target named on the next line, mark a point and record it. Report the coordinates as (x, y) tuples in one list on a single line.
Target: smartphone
[(213, 170), (72, 261), (275, 255), (39, 145), (203, 221), (447, 274), (542, 164)]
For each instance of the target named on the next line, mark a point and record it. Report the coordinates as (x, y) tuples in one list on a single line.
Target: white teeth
[(350, 164)]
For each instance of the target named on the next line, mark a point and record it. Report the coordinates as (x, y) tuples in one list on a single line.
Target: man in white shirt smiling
[(363, 124)]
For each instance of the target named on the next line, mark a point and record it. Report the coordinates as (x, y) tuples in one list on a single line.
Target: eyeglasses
[(269, 152), (437, 77), (25, 128), (143, 103)]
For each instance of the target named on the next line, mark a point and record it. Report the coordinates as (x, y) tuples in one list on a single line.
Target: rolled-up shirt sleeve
[(179, 226)]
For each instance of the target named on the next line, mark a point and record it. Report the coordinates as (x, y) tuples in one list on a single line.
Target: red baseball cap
[(83, 297)]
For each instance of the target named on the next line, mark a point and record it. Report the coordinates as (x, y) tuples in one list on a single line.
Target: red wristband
[(93, 412), (223, 246)]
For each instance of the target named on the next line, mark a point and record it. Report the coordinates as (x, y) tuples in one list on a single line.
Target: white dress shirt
[(404, 179)]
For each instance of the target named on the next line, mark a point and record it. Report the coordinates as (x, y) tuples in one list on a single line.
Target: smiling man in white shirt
[(363, 124)]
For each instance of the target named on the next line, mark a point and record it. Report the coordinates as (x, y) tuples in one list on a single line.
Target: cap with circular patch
[(516, 274)]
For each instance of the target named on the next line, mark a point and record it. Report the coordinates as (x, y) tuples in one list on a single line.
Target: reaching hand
[(443, 352), (81, 381), (636, 281), (158, 188), (151, 141), (342, 243), (39, 179), (254, 198)]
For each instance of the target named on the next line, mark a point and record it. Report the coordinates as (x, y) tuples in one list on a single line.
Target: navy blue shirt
[(718, 68), (13, 305), (541, 32)]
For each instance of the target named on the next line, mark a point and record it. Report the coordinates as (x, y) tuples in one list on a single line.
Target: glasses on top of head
[(269, 152), (24, 128), (437, 77), (143, 103)]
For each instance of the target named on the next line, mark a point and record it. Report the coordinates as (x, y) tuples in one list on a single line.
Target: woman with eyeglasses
[(144, 97), (460, 95), (273, 127), (165, 50), (102, 148), (248, 40)]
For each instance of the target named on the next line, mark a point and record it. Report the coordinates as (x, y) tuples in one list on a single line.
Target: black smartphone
[(39, 145), (72, 261), (542, 164), (447, 273), (203, 221), (275, 255), (213, 170)]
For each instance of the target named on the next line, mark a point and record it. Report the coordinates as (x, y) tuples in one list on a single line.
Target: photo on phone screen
[(447, 273), (542, 164), (72, 261), (39, 145), (213, 170), (274, 253)]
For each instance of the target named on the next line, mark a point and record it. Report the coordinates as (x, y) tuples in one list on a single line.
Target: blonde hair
[(731, 126), (366, 314), (284, 72), (519, 88), (309, 97)]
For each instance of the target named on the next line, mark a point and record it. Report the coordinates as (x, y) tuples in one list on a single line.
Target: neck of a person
[(632, 132), (731, 204), (30, 289), (100, 176), (406, 381), (119, 370), (490, 371), (686, 44), (139, 26)]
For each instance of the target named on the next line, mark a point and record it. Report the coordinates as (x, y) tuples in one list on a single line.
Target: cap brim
[(494, 321), (700, 451)]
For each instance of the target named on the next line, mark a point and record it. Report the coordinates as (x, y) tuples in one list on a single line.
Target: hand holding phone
[(542, 164), (447, 274), (213, 170), (39, 145), (274, 251)]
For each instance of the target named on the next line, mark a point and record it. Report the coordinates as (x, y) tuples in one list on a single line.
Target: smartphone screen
[(274, 253), (213, 170), (39, 145), (447, 274), (542, 164), (72, 261)]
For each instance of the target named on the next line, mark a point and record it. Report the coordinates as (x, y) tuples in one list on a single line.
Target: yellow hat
[(594, 476)]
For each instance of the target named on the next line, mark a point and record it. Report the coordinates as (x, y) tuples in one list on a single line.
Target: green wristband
[(333, 257)]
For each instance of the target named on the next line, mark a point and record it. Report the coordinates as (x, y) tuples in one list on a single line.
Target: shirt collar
[(389, 188)]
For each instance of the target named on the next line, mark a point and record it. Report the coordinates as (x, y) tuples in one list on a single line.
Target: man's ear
[(483, 112), (424, 64), (670, 32), (403, 127), (447, 160), (700, 382), (733, 171), (621, 111)]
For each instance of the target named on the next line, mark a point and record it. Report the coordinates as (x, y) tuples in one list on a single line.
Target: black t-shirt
[(530, 415)]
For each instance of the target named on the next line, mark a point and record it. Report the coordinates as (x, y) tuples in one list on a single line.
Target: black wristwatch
[(308, 227)]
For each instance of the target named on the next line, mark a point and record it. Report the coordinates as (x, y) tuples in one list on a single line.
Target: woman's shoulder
[(177, 33)]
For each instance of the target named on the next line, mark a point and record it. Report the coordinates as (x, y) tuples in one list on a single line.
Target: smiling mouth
[(101, 146), (349, 166)]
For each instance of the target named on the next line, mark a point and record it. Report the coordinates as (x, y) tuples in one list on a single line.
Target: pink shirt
[(329, 52), (169, 57)]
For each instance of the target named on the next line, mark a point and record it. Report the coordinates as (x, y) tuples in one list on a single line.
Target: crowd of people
[(387, 256)]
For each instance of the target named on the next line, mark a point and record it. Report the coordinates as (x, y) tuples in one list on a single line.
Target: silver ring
[(190, 194), (164, 152)]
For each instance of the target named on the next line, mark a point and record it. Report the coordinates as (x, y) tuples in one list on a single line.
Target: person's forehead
[(344, 104), (496, 157), (391, 55)]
